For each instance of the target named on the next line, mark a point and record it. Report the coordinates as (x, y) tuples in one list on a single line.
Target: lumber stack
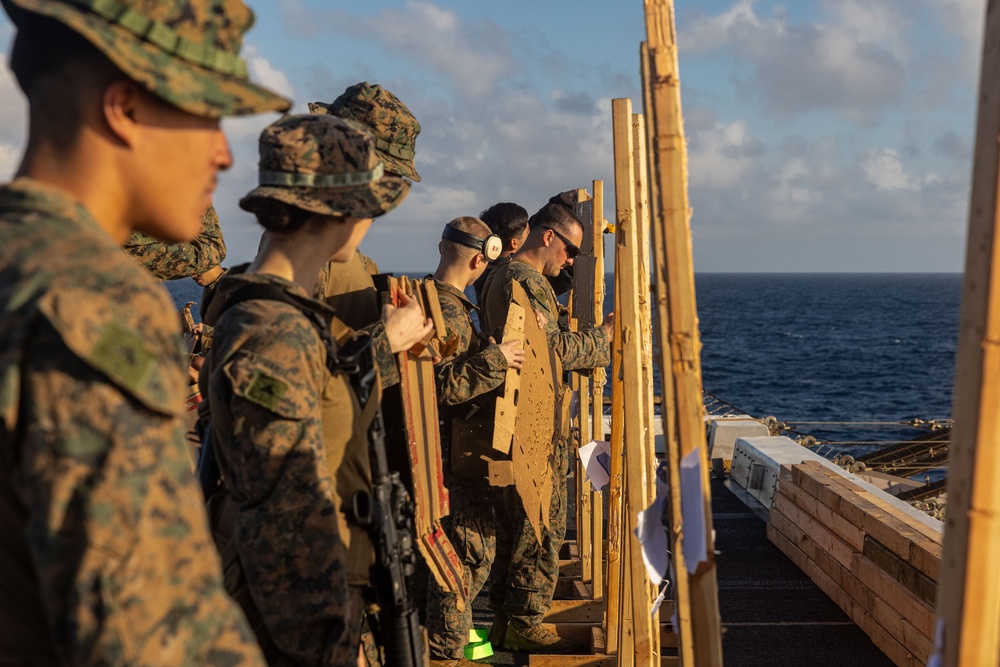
[(873, 559)]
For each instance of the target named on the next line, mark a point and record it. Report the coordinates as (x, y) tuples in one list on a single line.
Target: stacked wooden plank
[(872, 557)]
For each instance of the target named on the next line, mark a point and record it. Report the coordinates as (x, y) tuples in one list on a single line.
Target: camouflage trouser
[(525, 572), (471, 527)]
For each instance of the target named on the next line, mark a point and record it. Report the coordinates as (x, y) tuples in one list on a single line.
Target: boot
[(499, 629), (538, 639)]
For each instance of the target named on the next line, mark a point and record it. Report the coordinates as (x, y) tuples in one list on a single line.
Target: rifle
[(387, 514)]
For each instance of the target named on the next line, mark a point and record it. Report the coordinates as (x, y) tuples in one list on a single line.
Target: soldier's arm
[(462, 377), (171, 261), (287, 518), (113, 519), (575, 349), (384, 358)]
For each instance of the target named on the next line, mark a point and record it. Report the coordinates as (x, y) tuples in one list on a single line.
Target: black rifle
[(387, 514)]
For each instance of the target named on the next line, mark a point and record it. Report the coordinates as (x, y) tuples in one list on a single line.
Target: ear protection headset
[(491, 246)]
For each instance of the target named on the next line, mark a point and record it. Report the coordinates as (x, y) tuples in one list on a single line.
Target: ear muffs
[(491, 246)]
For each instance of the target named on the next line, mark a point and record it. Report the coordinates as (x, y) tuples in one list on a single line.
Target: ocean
[(817, 350)]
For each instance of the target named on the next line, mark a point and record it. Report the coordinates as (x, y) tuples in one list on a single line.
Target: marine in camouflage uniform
[(106, 556), (525, 594), (172, 261), (348, 287), (288, 431), (471, 371)]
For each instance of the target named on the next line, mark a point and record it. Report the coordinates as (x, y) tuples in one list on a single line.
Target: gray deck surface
[(772, 614)]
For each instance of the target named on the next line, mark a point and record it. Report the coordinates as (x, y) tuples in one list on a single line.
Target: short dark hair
[(55, 67), (506, 220), (555, 215), (279, 217)]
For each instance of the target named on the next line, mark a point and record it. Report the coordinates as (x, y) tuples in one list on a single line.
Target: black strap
[(265, 292)]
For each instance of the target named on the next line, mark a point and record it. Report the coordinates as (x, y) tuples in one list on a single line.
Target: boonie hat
[(184, 51), (395, 129), (326, 165)]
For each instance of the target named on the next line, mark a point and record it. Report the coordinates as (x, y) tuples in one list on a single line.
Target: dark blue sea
[(824, 348)]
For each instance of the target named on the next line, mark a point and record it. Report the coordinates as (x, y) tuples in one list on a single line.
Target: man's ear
[(515, 243), (477, 261), (121, 105)]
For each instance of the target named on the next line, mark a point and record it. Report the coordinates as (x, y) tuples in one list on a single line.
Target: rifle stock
[(387, 514)]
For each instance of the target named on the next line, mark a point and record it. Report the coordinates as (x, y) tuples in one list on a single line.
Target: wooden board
[(677, 333), (423, 440), (969, 602), (598, 380), (638, 388), (534, 426), (506, 405)]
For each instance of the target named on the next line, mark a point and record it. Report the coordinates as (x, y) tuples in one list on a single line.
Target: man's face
[(177, 158), (562, 247)]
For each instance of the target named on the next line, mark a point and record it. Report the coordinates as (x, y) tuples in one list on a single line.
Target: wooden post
[(968, 601), (699, 634), (645, 309), (597, 389), (583, 306), (615, 509), (637, 468)]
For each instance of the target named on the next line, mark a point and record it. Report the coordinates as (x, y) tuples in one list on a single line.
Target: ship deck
[(772, 614)]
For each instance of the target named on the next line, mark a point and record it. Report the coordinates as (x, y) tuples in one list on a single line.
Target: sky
[(823, 135)]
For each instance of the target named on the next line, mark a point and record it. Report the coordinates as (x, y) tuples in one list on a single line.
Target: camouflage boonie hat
[(394, 127), (184, 51), (326, 165)]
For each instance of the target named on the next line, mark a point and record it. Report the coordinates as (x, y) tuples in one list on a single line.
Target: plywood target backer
[(534, 424)]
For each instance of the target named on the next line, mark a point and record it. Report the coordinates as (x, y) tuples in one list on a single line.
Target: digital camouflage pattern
[(470, 371), (107, 557), (326, 165), (171, 261), (525, 594), (525, 572), (184, 51), (471, 527), (390, 121), (347, 287), (283, 465), (576, 349)]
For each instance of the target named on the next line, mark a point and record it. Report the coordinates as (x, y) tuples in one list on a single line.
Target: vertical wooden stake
[(583, 306), (637, 468), (699, 634), (597, 389), (615, 509), (968, 602)]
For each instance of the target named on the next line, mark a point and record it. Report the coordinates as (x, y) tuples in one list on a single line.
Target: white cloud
[(473, 56), (264, 73), (853, 61), (10, 157), (884, 170), (720, 157)]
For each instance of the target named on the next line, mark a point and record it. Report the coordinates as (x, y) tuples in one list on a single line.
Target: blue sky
[(823, 135)]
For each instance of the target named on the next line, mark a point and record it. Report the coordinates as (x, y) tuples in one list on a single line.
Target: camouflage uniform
[(471, 371), (290, 437), (525, 594), (114, 563), (106, 556), (291, 448), (348, 288), (171, 261)]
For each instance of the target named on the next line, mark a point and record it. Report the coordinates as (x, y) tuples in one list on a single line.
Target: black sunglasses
[(572, 250)]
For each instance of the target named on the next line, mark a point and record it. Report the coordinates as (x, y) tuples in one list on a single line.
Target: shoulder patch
[(121, 353), (265, 390)]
